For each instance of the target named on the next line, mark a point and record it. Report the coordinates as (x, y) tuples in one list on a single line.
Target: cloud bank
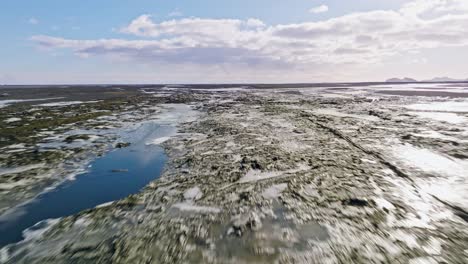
[(353, 39)]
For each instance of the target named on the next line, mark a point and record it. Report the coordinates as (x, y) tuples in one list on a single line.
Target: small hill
[(402, 80), (444, 79)]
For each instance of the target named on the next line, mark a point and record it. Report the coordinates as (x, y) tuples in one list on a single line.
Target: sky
[(242, 41)]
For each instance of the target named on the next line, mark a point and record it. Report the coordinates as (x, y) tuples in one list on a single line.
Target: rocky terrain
[(283, 175)]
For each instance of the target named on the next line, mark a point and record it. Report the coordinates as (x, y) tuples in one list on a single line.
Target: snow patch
[(105, 204), (428, 160), (333, 112), (37, 230), (274, 191), (457, 107), (452, 183), (258, 175), (193, 193), (12, 119), (5, 103), (20, 169), (67, 103), (383, 204), (423, 260), (188, 206), (442, 117)]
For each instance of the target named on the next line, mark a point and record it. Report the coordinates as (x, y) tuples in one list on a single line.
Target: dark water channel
[(114, 176)]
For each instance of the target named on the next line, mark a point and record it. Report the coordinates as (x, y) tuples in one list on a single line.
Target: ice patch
[(158, 141), (177, 113)]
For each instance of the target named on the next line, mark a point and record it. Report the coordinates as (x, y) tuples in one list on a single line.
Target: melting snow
[(452, 183), (460, 107), (443, 117), (435, 134), (428, 160)]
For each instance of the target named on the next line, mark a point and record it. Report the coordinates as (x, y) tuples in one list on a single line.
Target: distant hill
[(445, 79), (402, 80), (434, 80)]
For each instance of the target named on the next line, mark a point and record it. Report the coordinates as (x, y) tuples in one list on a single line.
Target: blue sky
[(88, 41)]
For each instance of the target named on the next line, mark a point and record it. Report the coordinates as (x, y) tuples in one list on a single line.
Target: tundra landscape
[(234, 132), (337, 173)]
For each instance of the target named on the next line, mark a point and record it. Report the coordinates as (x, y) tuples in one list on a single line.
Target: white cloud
[(358, 39), (319, 9), (33, 21), (175, 13)]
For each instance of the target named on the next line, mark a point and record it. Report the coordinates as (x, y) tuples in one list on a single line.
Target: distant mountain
[(445, 79), (402, 80)]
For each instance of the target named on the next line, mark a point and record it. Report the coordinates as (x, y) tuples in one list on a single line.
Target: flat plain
[(305, 173)]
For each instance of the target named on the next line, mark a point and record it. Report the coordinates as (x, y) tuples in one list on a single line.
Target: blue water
[(138, 164)]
